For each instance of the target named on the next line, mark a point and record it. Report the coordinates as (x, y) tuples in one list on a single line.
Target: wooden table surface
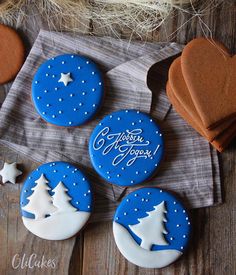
[(213, 246)]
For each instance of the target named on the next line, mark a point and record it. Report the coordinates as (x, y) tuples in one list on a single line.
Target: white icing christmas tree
[(150, 229), (40, 202), (61, 200)]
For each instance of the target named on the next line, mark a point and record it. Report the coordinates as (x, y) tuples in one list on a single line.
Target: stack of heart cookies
[(202, 89)]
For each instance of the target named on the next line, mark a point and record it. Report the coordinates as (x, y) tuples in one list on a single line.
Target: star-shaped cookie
[(10, 172)]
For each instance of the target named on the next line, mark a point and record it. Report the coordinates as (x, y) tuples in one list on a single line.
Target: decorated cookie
[(67, 90), (151, 228), (12, 53), (56, 201), (126, 147), (9, 172)]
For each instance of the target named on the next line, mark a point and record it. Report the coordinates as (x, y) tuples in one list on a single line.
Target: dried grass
[(107, 16), (10, 10)]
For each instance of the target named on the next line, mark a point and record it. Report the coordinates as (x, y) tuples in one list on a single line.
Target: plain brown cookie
[(12, 53), (219, 143), (180, 89), (210, 74)]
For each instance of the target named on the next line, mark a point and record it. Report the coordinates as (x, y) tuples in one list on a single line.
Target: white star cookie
[(65, 78), (10, 172)]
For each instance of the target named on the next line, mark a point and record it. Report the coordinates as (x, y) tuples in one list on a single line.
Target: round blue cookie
[(151, 228), (126, 147), (56, 201), (67, 90)]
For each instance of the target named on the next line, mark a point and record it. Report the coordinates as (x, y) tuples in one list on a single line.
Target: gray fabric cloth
[(135, 76)]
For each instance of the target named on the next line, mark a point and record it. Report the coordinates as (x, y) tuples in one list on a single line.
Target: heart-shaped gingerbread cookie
[(210, 74), (220, 142), (181, 92)]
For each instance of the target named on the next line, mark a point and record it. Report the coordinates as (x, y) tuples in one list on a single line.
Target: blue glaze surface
[(74, 103), (79, 189), (126, 147), (136, 204)]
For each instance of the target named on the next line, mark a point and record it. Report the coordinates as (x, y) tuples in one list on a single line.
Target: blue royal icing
[(176, 226), (67, 90), (126, 147), (75, 184)]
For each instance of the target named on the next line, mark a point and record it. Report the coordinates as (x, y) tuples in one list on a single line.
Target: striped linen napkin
[(135, 75)]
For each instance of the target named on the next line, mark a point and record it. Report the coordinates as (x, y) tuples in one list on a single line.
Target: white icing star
[(65, 78), (10, 172)]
